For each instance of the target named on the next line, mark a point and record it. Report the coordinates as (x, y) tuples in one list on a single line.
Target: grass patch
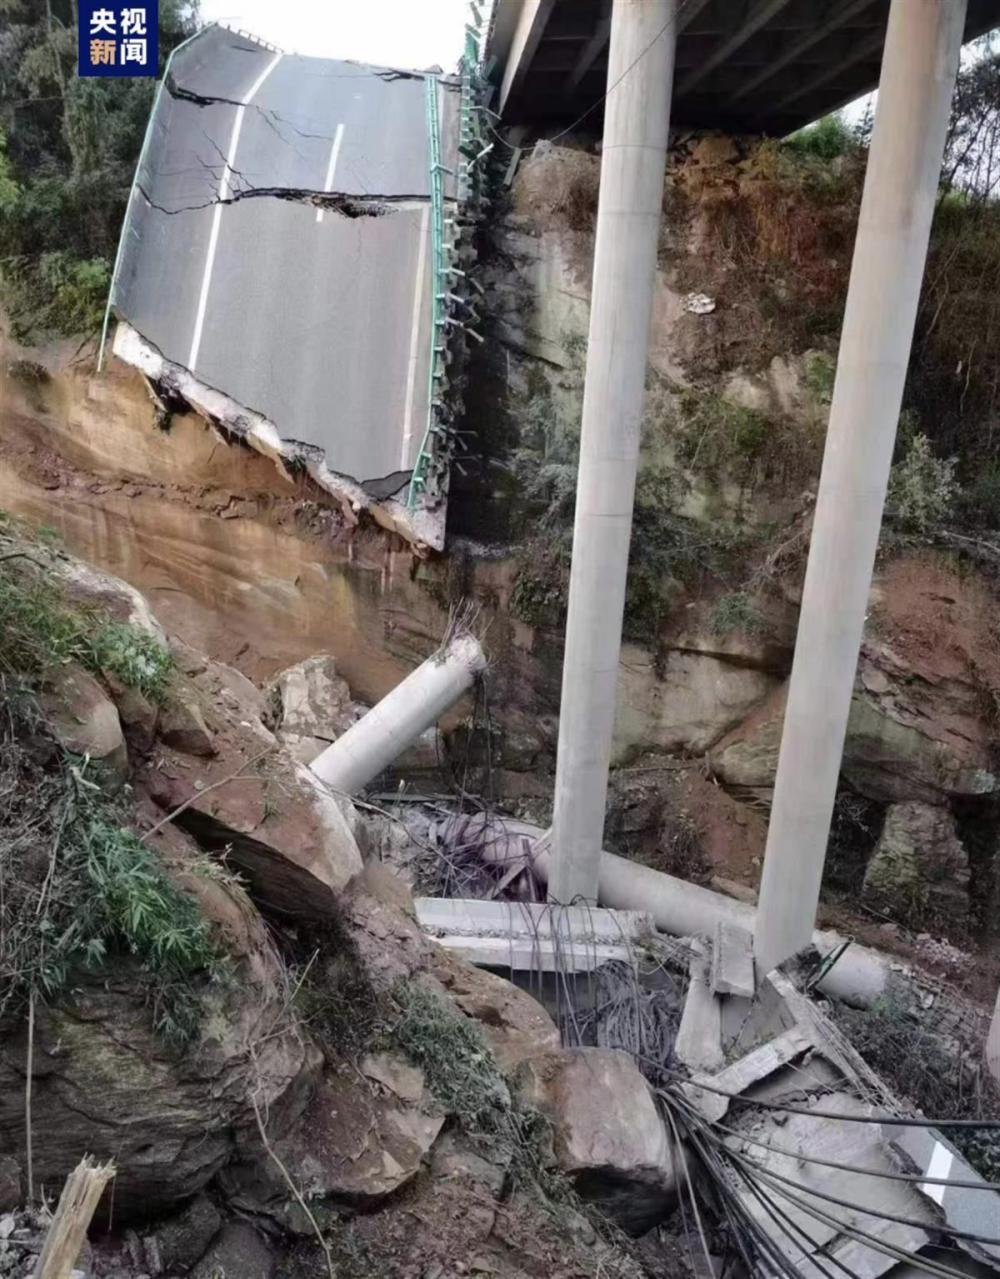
[(79, 887), (457, 1062), (463, 1077), (40, 629)]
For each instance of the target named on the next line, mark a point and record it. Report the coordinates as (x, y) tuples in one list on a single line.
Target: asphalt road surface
[(318, 320)]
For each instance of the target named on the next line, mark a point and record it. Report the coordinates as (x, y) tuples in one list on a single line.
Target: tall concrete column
[(993, 1044), (915, 91), (640, 75)]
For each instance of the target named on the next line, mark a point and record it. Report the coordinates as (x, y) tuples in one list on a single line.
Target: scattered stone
[(83, 719), (237, 1252), (184, 1238), (453, 1158), (606, 1132), (516, 1025), (136, 712), (699, 304), (182, 725)]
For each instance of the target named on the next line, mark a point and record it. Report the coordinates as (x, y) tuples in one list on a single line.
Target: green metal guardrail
[(430, 471)]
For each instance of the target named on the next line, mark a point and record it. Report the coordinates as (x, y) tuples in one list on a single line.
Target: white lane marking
[(940, 1167), (331, 168), (414, 360), (225, 190)]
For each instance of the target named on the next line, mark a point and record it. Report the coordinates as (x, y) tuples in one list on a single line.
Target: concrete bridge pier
[(637, 111), (919, 67)]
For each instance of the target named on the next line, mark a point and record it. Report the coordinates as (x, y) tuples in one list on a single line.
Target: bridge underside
[(743, 66)]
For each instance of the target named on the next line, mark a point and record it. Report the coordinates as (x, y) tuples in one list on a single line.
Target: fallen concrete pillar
[(371, 745), (858, 977), (922, 48)]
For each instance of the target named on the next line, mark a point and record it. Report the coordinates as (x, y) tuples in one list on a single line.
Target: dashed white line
[(225, 190), (939, 1167), (414, 359), (331, 168)]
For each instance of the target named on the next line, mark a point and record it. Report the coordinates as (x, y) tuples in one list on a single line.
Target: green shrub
[(716, 438), (79, 887), (922, 488), (827, 139), (821, 372), (735, 612), (39, 629)]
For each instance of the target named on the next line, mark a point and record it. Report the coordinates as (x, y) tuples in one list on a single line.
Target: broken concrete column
[(401, 716)]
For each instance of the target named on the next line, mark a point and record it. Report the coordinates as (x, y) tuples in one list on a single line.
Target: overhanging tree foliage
[(68, 148)]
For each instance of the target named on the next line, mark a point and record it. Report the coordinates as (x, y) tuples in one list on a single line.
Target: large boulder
[(366, 1133), (105, 1082), (606, 1133), (84, 720), (311, 706), (274, 820), (919, 871)]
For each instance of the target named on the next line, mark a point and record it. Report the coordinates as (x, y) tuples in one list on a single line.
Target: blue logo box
[(118, 39)]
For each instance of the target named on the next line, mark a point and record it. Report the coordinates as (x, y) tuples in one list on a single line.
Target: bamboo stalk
[(77, 1204)]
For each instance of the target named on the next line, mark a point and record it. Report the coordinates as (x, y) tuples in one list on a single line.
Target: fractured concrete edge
[(751, 1069), (533, 936), (732, 961), (422, 526), (699, 1037)]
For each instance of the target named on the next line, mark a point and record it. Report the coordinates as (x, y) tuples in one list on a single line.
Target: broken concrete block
[(699, 1037), (749, 1070), (732, 961)]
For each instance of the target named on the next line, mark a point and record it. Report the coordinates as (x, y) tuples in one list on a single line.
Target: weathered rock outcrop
[(105, 1083), (909, 737), (919, 871), (365, 1133), (606, 1132)]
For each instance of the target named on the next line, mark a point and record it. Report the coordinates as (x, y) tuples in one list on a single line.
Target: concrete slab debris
[(732, 961), (752, 1068), (533, 936), (699, 1037)]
